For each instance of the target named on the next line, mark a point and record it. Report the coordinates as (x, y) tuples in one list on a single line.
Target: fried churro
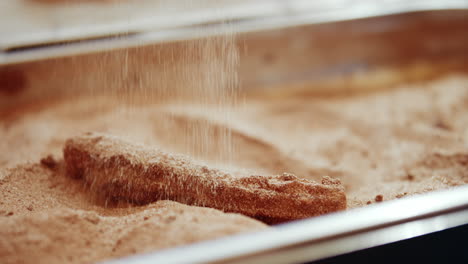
[(120, 170)]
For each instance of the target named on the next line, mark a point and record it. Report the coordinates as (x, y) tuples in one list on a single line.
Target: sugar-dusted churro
[(122, 170)]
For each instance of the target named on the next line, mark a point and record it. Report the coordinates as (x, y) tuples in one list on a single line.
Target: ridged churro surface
[(121, 170)]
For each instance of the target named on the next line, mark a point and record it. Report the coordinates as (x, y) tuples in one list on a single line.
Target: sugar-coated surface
[(120, 170)]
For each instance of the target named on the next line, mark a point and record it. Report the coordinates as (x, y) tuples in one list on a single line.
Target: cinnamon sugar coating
[(120, 170)]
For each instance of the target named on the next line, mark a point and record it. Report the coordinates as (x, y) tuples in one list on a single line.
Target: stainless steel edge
[(295, 13), (353, 242), (327, 235)]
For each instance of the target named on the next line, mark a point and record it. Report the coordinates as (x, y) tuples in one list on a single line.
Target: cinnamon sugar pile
[(391, 144)]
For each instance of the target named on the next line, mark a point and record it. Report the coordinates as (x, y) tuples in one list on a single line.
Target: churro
[(120, 170)]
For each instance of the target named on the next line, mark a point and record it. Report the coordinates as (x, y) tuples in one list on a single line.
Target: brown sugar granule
[(120, 170), (410, 177), (379, 198), (441, 124), (49, 162), (401, 195)]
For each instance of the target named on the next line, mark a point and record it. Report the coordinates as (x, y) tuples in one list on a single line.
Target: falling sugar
[(194, 79)]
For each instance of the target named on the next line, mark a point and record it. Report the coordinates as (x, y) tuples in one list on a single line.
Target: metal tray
[(31, 31), (303, 54), (293, 51), (371, 45)]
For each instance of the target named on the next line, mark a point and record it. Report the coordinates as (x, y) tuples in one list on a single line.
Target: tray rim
[(386, 222), (291, 16)]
